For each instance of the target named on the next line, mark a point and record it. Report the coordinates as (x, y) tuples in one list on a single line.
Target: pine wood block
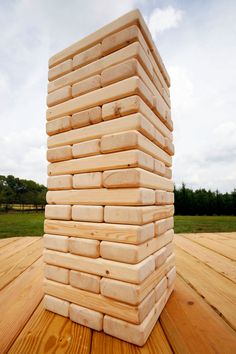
[(92, 213), (160, 288), (86, 317), (87, 117), (85, 281), (58, 125), (87, 56), (61, 153), (163, 197), (61, 95), (61, 307), (87, 180), (133, 254), (86, 85), (135, 177), (60, 70), (59, 212), (103, 196), (124, 159), (101, 231), (133, 273), (168, 172), (59, 182), (171, 275), (136, 215), (162, 226), (84, 247), (86, 148), (169, 147), (160, 256), (56, 273), (100, 96), (133, 139), (55, 242), (132, 293), (169, 248)]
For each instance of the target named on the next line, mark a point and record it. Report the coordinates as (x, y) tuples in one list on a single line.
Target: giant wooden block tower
[(109, 261)]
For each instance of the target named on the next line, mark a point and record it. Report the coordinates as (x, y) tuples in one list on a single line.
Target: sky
[(196, 40)]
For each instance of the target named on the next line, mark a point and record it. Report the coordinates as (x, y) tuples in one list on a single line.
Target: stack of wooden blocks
[(109, 261)]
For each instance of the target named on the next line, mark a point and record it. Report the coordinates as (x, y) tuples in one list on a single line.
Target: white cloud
[(164, 19)]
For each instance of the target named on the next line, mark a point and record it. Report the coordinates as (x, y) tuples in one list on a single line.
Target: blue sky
[(196, 40)]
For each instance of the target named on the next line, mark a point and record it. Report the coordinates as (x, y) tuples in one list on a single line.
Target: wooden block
[(132, 139), (84, 247), (59, 212), (171, 275), (160, 168), (87, 56), (162, 226), (170, 248), (169, 147), (135, 177), (86, 317), (60, 70), (132, 273), (87, 213), (61, 95), (119, 39), (163, 197), (86, 148), (56, 273), (57, 243), (87, 180), (133, 254), (85, 281), (136, 215), (61, 153), (87, 117), (103, 196), (58, 125), (161, 288), (125, 159), (103, 95), (86, 85), (131, 293), (101, 231), (59, 182), (168, 172), (61, 307), (160, 256)]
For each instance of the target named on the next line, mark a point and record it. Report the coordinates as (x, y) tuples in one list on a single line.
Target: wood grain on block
[(87, 117), (61, 307), (60, 70), (61, 95), (171, 275), (86, 148), (87, 56), (86, 317), (58, 125), (59, 182), (136, 215), (103, 95), (164, 225), (133, 139), (168, 172), (160, 257), (133, 254), (86, 85), (87, 180), (92, 213), (159, 168), (132, 273), (55, 242), (163, 197), (160, 288), (84, 247), (135, 177), (169, 248), (61, 153), (56, 273), (169, 147), (85, 281), (60, 212), (135, 334), (132, 293), (101, 231), (169, 122), (103, 196), (124, 159)]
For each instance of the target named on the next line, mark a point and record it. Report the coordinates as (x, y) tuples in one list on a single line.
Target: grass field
[(31, 224)]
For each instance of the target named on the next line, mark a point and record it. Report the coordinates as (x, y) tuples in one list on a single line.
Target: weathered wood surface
[(198, 318)]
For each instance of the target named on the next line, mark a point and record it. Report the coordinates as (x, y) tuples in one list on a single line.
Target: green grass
[(31, 224)]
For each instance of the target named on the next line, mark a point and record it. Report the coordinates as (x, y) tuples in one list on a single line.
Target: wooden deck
[(200, 316)]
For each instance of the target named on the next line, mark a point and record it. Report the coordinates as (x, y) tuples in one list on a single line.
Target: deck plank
[(216, 261), (192, 326), (5, 241), (231, 235), (13, 248)]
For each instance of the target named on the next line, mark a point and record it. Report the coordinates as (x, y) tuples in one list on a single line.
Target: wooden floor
[(200, 316)]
